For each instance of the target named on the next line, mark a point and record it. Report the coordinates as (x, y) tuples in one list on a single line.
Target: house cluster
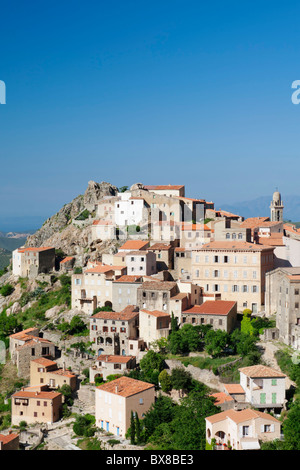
[(174, 256)]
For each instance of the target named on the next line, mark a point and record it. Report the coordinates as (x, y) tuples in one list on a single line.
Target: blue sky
[(158, 92)]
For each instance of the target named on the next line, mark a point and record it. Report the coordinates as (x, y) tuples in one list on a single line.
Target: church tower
[(276, 208)]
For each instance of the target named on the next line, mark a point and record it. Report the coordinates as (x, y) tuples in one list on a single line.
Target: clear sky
[(169, 91)]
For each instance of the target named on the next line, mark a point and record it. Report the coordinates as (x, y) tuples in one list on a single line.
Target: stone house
[(124, 291), (35, 405), (31, 261), (183, 263), (93, 288), (116, 333), (67, 264), (106, 365), (27, 345), (9, 441), (116, 400), (282, 298), (193, 236), (156, 295), (164, 253), (236, 270), (141, 262), (221, 314), (43, 371), (103, 230), (241, 430), (154, 325), (265, 388)]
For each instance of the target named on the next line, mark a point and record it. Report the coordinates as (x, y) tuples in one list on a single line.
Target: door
[(107, 426), (254, 308)]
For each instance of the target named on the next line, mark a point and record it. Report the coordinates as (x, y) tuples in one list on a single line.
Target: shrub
[(6, 290)]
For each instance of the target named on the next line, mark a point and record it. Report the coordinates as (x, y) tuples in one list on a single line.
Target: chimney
[(116, 389)]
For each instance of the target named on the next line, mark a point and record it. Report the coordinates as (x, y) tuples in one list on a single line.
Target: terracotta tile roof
[(179, 249), (129, 312), (44, 361), (160, 285), (271, 241), (159, 246), (63, 372), (180, 296), (125, 386), (261, 371), (6, 438), (221, 397), (114, 359), (240, 416), (65, 260), (212, 307), (105, 268), (195, 227), (137, 253), (36, 394), (129, 278), (32, 342), (133, 245), (296, 277), (233, 246), (234, 389), (21, 335), (156, 313), (36, 249), (253, 222), (163, 187)]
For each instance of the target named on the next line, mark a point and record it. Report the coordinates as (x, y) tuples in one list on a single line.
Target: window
[(216, 259), (245, 431), (227, 235), (296, 291), (240, 236), (225, 259)]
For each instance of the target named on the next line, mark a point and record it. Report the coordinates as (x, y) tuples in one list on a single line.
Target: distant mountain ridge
[(260, 207)]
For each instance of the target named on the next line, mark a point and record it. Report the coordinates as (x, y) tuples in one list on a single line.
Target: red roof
[(104, 268), (134, 245), (212, 307), (41, 248), (125, 386), (163, 187)]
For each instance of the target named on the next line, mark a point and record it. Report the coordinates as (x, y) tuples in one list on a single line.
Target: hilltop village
[(144, 312)]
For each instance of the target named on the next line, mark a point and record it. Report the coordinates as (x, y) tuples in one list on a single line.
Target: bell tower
[(276, 208)]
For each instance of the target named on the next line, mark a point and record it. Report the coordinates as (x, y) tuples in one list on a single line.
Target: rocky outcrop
[(59, 232), (97, 191)]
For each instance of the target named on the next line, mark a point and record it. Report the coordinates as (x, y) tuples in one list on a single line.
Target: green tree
[(181, 379), (137, 429), (132, 428), (291, 428), (162, 411), (6, 290), (215, 342), (150, 362), (165, 381), (246, 325), (174, 323)]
